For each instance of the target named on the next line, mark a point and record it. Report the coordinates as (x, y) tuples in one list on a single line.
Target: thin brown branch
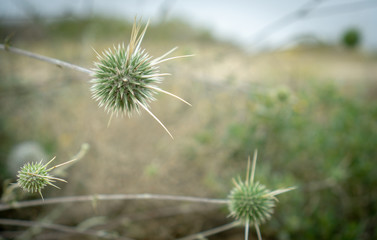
[(54, 61), (213, 231), (56, 227), (104, 197)]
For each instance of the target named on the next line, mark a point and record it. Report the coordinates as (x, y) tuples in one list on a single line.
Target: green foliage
[(327, 142), (351, 38), (103, 28), (97, 26)]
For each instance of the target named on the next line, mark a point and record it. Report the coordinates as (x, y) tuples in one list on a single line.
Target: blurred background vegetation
[(311, 111)]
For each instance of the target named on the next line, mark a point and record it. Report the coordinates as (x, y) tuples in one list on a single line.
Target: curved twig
[(54, 61), (213, 231), (56, 227), (107, 197)]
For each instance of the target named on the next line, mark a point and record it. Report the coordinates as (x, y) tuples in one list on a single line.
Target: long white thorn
[(258, 231), (50, 161), (170, 94), (165, 54), (247, 181), (156, 75), (253, 167), (247, 230), (49, 183), (141, 36), (57, 179), (62, 164), (40, 193), (280, 191), (109, 122), (168, 59), (98, 55), (150, 113)]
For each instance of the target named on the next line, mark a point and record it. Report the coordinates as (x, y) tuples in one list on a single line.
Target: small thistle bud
[(124, 79), (34, 177), (251, 202)]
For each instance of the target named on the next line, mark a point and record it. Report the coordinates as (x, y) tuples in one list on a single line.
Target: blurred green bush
[(102, 28), (324, 142), (351, 38)]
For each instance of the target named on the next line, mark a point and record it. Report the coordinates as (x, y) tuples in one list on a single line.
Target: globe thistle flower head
[(34, 177), (125, 79), (251, 202)]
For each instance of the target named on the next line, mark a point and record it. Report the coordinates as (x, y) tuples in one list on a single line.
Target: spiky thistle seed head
[(251, 203), (125, 79), (34, 177)]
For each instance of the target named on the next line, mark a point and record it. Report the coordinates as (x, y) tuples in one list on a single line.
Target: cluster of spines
[(119, 84), (124, 80), (251, 203), (34, 177)]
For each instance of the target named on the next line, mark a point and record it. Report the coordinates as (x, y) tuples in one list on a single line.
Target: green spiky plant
[(125, 80), (250, 202), (34, 177)]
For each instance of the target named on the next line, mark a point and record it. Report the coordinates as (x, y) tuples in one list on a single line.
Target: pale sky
[(239, 21)]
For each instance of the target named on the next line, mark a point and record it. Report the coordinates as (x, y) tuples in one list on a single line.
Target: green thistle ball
[(251, 202), (124, 79), (33, 177)]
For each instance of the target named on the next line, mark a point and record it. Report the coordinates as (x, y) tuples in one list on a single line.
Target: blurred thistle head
[(251, 202), (34, 177), (125, 79)]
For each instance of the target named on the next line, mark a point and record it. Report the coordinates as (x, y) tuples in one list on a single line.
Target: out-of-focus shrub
[(323, 141), (351, 38)]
